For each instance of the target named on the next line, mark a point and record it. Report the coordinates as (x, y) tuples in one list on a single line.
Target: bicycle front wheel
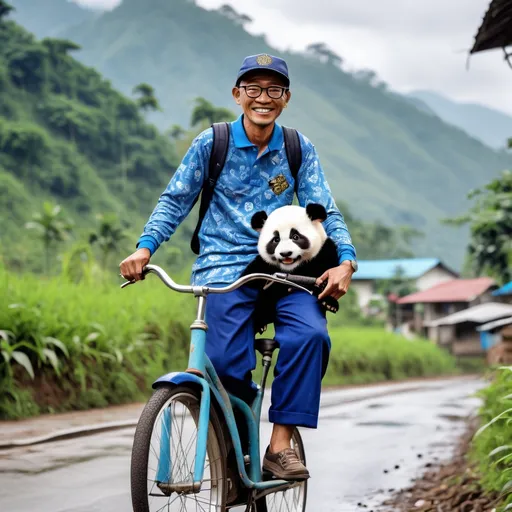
[(164, 453)]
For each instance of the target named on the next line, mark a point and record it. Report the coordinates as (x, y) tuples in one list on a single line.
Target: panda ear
[(316, 211), (258, 220)]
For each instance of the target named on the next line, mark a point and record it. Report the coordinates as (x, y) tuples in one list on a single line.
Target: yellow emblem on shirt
[(278, 184)]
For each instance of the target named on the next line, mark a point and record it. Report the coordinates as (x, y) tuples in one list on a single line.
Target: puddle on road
[(452, 417), (452, 405), (376, 406), (383, 424), (63, 462)]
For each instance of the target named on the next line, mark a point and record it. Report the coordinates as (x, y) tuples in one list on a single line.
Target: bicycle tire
[(142, 447), (271, 502)]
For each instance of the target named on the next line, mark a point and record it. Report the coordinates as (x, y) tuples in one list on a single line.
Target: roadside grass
[(68, 346), (492, 444)]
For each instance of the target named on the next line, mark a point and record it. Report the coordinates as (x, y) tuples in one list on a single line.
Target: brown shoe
[(285, 465)]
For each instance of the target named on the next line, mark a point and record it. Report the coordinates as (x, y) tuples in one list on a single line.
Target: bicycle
[(207, 448)]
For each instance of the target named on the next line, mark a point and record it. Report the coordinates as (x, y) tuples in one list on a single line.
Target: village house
[(424, 272), (458, 332), (441, 300)]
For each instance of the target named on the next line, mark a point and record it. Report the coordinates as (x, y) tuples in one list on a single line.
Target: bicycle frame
[(201, 372)]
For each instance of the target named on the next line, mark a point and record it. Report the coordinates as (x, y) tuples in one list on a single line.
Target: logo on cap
[(264, 60)]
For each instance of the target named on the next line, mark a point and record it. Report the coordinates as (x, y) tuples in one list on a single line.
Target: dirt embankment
[(449, 487)]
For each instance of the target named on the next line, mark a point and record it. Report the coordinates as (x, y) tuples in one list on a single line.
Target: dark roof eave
[(496, 28)]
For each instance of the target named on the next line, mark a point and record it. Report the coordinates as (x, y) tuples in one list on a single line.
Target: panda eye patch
[(276, 238)]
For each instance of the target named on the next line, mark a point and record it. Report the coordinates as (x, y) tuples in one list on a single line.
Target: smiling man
[(256, 176)]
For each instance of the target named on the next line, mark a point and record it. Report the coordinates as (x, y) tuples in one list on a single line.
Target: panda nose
[(286, 254)]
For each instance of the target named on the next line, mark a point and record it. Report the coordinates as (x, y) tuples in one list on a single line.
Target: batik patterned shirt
[(246, 185)]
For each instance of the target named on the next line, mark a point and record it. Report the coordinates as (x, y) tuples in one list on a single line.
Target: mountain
[(68, 137), (490, 126), (383, 156), (46, 18)]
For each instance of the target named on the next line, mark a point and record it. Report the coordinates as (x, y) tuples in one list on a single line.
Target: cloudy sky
[(410, 44)]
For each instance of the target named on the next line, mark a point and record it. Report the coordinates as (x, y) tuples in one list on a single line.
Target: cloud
[(410, 44)]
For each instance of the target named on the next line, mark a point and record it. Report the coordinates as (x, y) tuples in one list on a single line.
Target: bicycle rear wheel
[(164, 453), (293, 499)]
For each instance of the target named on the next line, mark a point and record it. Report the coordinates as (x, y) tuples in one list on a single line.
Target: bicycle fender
[(177, 378)]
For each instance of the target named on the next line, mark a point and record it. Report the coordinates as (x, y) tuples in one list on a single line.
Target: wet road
[(370, 440)]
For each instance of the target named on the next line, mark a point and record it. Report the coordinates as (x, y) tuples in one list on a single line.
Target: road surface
[(370, 442)]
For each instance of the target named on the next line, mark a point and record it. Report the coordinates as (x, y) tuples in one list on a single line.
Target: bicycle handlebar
[(295, 281)]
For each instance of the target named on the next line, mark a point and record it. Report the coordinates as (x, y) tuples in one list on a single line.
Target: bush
[(370, 354), (492, 444), (96, 343)]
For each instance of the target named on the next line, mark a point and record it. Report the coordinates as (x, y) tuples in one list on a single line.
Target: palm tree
[(5, 9), (109, 237), (204, 111), (51, 226), (175, 132), (147, 100)]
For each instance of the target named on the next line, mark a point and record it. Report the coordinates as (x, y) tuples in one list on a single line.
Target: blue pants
[(304, 346)]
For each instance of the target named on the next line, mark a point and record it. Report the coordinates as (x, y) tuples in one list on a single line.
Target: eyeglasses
[(254, 91)]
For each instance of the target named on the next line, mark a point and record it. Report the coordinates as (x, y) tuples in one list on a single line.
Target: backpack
[(218, 159)]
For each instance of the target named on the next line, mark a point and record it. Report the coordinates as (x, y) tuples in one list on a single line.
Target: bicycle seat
[(265, 346)]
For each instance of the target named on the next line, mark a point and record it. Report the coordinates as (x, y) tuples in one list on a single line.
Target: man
[(255, 158)]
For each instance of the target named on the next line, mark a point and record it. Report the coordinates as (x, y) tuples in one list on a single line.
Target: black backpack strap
[(293, 151), (217, 160)]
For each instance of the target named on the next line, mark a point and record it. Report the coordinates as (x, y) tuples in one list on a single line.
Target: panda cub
[(291, 239)]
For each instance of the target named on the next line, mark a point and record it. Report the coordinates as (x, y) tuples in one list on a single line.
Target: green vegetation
[(490, 221), (361, 355), (386, 158), (74, 346), (67, 137), (492, 445)]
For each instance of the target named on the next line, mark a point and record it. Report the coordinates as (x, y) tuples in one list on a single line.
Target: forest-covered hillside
[(67, 136), (386, 158)]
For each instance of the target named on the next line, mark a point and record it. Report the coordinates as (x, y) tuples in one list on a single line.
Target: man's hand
[(131, 267), (338, 280)]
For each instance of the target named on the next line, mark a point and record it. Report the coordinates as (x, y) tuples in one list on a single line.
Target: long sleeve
[(180, 194), (313, 188)]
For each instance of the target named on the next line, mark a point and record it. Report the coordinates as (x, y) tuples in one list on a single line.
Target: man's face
[(262, 109)]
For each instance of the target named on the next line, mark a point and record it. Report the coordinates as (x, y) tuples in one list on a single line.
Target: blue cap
[(264, 62)]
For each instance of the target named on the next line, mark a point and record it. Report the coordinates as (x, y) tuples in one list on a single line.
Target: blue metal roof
[(504, 290), (385, 269)]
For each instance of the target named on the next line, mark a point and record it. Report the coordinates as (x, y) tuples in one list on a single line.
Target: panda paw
[(328, 303)]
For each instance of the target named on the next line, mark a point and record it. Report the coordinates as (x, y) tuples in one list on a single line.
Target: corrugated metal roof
[(504, 290), (455, 290), (496, 28), (477, 314), (386, 269), (497, 323)]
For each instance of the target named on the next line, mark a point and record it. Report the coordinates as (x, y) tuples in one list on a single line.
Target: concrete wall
[(432, 277), (364, 290)]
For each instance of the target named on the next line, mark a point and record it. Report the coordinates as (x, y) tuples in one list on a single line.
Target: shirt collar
[(241, 140)]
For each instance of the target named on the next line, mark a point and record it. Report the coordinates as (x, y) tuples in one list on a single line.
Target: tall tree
[(490, 223), (324, 53), (228, 11), (109, 237), (147, 99), (5, 9), (206, 112), (52, 227)]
